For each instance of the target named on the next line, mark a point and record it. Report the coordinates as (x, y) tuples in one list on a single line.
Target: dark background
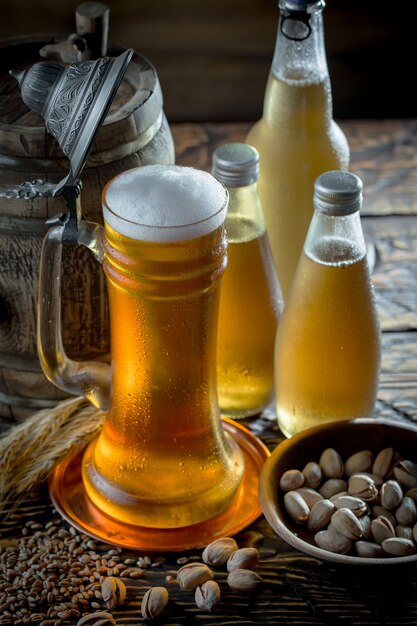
[(213, 56)]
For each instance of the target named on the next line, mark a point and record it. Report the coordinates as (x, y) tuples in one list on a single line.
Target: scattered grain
[(53, 573)]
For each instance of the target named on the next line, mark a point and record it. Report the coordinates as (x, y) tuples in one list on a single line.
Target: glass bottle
[(296, 138), (250, 301), (327, 356)]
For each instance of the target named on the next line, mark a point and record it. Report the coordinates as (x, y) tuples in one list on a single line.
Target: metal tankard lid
[(73, 100)]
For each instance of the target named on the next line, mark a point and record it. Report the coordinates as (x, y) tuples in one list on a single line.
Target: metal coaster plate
[(67, 492)]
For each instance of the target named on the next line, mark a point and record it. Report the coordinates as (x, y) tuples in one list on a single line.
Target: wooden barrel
[(135, 132)]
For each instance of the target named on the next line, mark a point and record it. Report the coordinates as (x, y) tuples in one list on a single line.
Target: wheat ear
[(29, 451)]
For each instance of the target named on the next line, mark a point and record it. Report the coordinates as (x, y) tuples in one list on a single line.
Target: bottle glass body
[(250, 306), (328, 345), (297, 140)]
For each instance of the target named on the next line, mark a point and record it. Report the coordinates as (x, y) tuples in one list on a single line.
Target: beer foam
[(164, 203)]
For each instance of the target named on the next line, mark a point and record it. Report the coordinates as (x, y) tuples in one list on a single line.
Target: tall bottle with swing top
[(297, 138), (327, 354)]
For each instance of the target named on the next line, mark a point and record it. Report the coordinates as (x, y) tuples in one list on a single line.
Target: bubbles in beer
[(336, 252), (164, 203)]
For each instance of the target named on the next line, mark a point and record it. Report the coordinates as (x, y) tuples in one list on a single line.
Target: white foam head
[(164, 203)]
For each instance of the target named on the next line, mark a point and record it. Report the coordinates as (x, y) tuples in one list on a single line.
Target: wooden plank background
[(213, 57)]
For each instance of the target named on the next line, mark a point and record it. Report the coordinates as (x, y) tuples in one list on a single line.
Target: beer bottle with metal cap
[(297, 138), (327, 356), (250, 301)]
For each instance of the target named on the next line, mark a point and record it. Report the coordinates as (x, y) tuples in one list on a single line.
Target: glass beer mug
[(162, 459)]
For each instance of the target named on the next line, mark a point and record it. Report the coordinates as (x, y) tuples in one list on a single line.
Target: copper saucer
[(67, 492)]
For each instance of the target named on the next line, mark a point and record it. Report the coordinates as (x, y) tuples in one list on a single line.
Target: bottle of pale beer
[(296, 138), (250, 301), (327, 354)]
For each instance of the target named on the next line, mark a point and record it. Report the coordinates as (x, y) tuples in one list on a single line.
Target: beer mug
[(162, 459)]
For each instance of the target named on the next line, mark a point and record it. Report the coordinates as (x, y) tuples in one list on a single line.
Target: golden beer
[(328, 351), (249, 311), (162, 459), (297, 140)]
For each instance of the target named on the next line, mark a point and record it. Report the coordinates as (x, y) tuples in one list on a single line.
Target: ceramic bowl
[(347, 437)]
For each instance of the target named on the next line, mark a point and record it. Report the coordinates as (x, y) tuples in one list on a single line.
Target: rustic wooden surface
[(299, 589)]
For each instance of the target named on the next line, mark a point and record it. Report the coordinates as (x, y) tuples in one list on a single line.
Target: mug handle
[(89, 378)]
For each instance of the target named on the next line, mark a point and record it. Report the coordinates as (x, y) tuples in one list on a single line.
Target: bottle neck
[(298, 60), (335, 240), (244, 219)]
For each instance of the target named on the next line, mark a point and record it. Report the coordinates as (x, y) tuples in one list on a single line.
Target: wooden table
[(298, 589)]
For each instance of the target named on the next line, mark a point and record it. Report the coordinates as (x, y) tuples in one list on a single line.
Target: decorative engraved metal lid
[(73, 100)]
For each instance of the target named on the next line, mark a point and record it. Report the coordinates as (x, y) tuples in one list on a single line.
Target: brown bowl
[(347, 437)]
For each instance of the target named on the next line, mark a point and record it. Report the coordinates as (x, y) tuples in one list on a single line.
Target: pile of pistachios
[(364, 506)]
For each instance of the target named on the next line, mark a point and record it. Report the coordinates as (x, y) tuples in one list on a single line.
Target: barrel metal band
[(23, 164)]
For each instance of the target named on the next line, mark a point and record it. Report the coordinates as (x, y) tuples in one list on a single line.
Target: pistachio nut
[(244, 580), (397, 546), (378, 510), (296, 506), (378, 480), (217, 552), (331, 463), (153, 602), (361, 486), (311, 496), (333, 541), (406, 473), (98, 618), (193, 575), (406, 532), (368, 549), (291, 479), (207, 597), (320, 515), (365, 522), (344, 521), (359, 462), (414, 530), (245, 558), (332, 486), (391, 494), (113, 591), (383, 463), (407, 512), (382, 529), (412, 493), (338, 495), (312, 475), (356, 505)]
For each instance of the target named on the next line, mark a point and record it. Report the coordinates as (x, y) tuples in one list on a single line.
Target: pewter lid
[(338, 193), (73, 100), (236, 164)]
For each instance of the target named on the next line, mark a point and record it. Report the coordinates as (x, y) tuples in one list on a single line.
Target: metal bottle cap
[(338, 193), (236, 164)]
